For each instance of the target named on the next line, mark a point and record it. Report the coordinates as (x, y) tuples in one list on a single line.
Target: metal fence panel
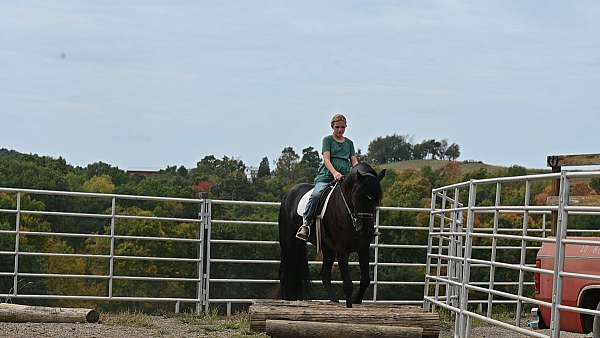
[(456, 281)]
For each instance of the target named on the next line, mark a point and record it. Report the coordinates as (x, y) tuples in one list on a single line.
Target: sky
[(146, 84)]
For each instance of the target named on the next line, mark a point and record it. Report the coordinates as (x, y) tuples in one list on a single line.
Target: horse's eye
[(370, 197)]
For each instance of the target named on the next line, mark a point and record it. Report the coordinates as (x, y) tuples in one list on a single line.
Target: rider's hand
[(337, 176)]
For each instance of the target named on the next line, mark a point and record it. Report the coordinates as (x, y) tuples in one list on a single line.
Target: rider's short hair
[(337, 118)]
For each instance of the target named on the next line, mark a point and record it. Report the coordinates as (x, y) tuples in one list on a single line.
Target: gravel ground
[(174, 327), (497, 332), (150, 326)]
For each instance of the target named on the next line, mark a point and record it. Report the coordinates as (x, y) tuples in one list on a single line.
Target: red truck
[(584, 293)]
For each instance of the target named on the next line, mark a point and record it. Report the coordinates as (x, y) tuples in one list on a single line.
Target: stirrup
[(301, 235)]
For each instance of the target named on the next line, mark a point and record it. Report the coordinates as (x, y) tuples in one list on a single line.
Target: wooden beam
[(589, 200), (307, 329), (40, 314), (376, 314), (573, 160)]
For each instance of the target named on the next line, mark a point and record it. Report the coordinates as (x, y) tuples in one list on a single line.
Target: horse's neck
[(346, 190)]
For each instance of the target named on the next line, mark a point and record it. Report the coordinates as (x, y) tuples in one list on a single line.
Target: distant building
[(251, 173)]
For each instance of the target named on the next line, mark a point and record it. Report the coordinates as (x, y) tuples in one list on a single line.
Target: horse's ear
[(381, 175), (361, 174)]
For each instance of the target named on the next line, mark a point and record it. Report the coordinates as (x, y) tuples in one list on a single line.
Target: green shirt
[(340, 154)]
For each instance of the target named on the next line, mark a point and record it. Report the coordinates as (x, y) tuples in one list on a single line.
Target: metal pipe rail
[(459, 243), (375, 264), (109, 257)]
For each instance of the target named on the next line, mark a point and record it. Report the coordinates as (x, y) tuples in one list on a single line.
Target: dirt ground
[(497, 332), (136, 326)]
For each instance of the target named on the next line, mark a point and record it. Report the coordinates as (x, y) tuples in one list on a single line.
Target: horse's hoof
[(356, 299), (348, 304)]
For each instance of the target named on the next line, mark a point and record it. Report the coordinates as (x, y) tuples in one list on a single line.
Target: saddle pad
[(304, 201)]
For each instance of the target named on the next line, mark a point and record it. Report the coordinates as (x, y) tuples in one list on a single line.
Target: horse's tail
[(294, 275)]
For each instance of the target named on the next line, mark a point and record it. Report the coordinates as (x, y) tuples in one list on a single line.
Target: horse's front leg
[(328, 258), (347, 281), (365, 280)]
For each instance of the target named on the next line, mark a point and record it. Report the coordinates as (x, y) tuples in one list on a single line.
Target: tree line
[(396, 148)]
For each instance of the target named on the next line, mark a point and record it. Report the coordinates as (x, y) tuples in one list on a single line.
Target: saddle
[(321, 206)]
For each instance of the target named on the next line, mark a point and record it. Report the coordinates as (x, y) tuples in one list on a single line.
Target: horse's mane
[(373, 181), (363, 167)]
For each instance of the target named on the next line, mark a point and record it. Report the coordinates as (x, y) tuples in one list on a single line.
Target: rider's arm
[(327, 161)]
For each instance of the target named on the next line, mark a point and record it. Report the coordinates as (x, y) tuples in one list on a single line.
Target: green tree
[(428, 148), (182, 172), (516, 170), (211, 168), (453, 152), (75, 181), (117, 175), (227, 175), (441, 148), (101, 184), (411, 189), (286, 163), (308, 165), (263, 168), (419, 151), (388, 149), (32, 171)]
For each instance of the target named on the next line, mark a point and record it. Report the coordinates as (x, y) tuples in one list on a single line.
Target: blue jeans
[(313, 202)]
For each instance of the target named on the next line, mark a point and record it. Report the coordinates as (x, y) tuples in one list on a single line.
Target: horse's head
[(365, 194)]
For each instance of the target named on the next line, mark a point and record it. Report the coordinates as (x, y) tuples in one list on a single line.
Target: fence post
[(440, 250), (112, 247), (452, 268), (464, 299), (207, 237), (202, 215), (523, 251), (492, 279), (17, 237), (559, 255), (426, 304), (375, 266)]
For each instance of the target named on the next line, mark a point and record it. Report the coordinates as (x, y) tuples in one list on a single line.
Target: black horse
[(348, 226)]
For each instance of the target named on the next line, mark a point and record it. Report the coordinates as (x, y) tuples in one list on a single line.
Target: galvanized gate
[(451, 259)]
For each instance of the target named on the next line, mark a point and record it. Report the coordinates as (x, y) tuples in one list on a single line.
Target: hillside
[(466, 167)]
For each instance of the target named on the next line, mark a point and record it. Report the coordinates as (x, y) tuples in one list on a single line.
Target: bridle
[(355, 216)]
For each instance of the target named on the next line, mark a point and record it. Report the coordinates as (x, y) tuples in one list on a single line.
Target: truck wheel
[(596, 327)]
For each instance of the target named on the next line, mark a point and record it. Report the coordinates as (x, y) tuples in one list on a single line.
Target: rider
[(338, 157)]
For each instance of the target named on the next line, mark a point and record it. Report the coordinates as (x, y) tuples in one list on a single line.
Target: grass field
[(466, 167)]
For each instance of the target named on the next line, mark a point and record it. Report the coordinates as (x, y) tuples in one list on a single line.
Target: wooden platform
[(374, 314)]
